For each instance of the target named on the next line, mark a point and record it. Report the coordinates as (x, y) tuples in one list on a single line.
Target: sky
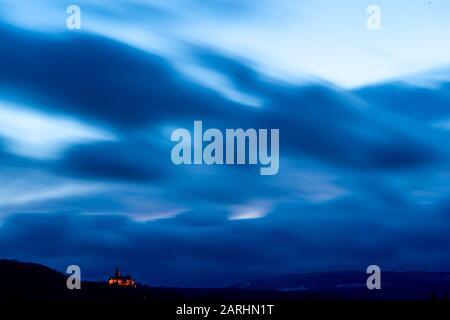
[(86, 118)]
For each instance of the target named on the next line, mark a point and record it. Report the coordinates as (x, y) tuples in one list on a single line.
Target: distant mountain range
[(30, 281), (352, 284)]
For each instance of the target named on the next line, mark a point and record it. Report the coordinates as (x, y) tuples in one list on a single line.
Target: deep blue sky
[(86, 117)]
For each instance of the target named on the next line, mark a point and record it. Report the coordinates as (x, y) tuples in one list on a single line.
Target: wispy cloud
[(33, 133), (279, 37)]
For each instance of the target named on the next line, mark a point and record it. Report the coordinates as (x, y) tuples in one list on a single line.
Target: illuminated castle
[(121, 281)]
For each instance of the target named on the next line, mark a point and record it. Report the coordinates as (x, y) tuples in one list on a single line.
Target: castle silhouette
[(121, 281)]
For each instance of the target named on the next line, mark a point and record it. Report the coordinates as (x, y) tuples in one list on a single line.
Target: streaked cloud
[(33, 133), (279, 37), (254, 210)]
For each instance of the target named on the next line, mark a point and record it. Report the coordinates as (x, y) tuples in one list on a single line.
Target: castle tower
[(117, 273)]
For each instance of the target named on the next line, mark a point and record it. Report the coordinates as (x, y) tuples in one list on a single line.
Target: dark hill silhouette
[(31, 281)]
